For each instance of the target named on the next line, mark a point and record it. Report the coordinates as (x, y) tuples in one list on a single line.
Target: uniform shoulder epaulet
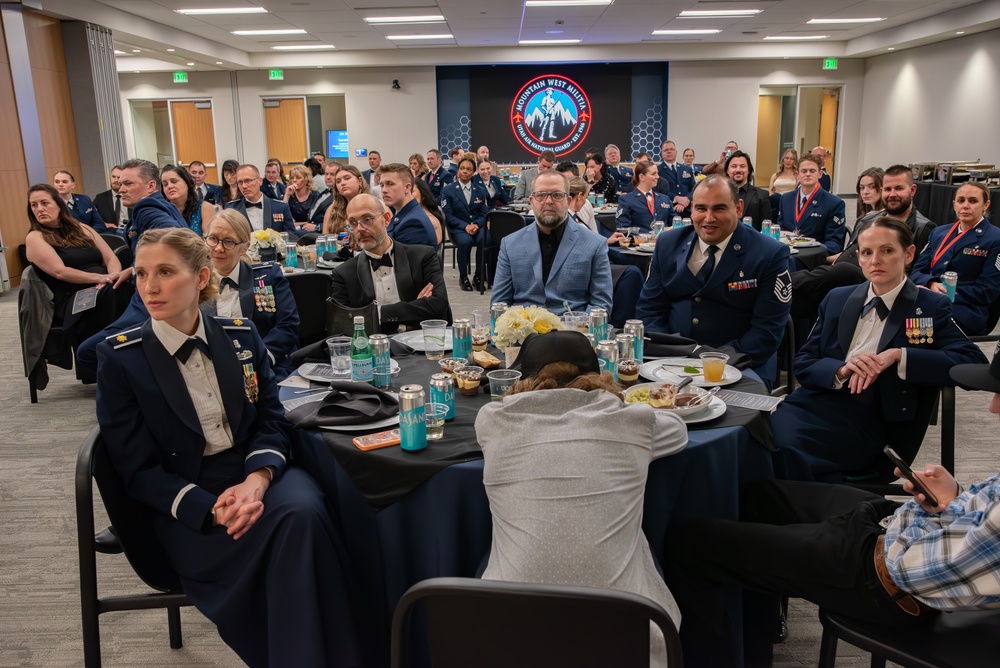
[(233, 323), (262, 265), (125, 338)]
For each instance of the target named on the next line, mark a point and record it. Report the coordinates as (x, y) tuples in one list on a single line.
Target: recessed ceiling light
[(960, 32), (719, 13), (136, 51), (389, 20), (222, 10), (218, 62), (891, 48), (120, 53), (289, 31), (686, 32), (136, 71), (554, 32), (868, 20), (171, 50), (406, 37), (190, 64), (549, 41), (566, 3), (795, 38), (303, 47)]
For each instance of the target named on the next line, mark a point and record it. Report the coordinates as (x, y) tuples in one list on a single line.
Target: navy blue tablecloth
[(443, 526)]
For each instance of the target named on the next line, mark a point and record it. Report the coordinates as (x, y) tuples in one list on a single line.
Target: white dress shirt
[(869, 331), (700, 255), (384, 280), (202, 386), (255, 215), (228, 303)]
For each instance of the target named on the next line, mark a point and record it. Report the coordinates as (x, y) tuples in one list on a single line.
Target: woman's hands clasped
[(240, 506), (861, 370)]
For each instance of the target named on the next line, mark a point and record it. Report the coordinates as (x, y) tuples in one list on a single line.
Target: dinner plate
[(804, 243), (682, 411), (415, 339), (717, 408), (323, 373), (671, 370), (368, 426)]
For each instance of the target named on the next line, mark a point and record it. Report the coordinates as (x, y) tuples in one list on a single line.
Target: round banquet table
[(401, 528)]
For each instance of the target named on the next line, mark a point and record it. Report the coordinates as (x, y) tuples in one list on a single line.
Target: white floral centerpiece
[(266, 242), (517, 323)]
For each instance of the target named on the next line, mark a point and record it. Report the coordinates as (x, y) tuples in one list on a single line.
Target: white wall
[(934, 103), (711, 102), (394, 122)]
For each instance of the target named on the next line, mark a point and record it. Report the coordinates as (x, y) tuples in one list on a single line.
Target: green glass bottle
[(361, 353)]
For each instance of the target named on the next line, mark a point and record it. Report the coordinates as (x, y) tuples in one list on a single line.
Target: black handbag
[(340, 318)]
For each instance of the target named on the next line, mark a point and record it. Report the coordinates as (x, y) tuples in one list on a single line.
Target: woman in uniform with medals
[(642, 206), (259, 292), (188, 407), (971, 249), (871, 367)]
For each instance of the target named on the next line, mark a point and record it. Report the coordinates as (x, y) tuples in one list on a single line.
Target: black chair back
[(486, 623), (310, 290), (124, 255), (114, 241), (131, 520), (608, 221), (503, 223)]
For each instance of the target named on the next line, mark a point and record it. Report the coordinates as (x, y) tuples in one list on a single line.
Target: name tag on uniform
[(664, 205), (975, 252), (742, 285), (478, 200), (686, 175), (815, 215)]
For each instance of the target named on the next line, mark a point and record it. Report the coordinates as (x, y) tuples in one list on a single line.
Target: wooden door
[(193, 131), (768, 138), (829, 112), (285, 128)]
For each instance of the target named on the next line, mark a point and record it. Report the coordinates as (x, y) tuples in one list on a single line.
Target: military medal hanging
[(263, 296), (920, 330), (250, 383)]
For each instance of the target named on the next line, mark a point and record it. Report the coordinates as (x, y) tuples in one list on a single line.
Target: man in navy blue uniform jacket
[(262, 212), (620, 173), (80, 206), (676, 180), (410, 224), (813, 211), (438, 177), (737, 295), (207, 192)]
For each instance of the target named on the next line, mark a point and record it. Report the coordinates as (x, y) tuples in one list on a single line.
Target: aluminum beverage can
[(496, 310), (599, 324), (950, 281), (291, 256), (380, 352), (747, 220), (461, 337), (443, 392), (608, 351), (412, 423), (638, 330), (626, 346), (677, 222), (320, 247)]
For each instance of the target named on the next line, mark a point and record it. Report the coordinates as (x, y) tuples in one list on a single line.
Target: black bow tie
[(231, 283), (184, 352), (880, 308), (256, 205), (376, 262)]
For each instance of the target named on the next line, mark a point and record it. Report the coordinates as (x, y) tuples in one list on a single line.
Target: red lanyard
[(945, 246), (798, 200), (649, 202)]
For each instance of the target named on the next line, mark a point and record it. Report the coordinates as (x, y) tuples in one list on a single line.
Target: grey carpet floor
[(39, 589)]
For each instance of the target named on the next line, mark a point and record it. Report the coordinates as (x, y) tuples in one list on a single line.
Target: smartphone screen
[(908, 474)]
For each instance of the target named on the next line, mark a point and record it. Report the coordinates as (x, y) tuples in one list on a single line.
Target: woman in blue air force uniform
[(188, 407), (871, 366), (971, 249), (642, 206), (466, 219), (261, 291)]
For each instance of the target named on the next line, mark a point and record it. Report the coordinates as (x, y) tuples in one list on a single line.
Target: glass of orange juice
[(714, 366)]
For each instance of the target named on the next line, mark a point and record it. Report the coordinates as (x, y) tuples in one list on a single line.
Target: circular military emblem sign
[(551, 113)]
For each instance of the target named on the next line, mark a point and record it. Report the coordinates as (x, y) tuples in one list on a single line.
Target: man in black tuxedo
[(109, 203), (755, 200), (406, 281)]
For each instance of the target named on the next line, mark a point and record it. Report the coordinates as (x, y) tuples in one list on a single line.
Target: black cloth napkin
[(347, 404), (660, 344)]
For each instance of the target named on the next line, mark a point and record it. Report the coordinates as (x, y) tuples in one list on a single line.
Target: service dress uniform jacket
[(274, 190), (975, 257), (623, 178), (411, 226), (437, 180), (277, 594), (277, 215), (744, 304), (821, 431), (822, 218), (580, 273), (459, 213), (150, 213), (676, 182), (82, 208), (500, 198), (633, 210)]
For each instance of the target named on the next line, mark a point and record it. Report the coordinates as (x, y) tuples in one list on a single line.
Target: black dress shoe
[(464, 283), (781, 633), (477, 283), (106, 541)]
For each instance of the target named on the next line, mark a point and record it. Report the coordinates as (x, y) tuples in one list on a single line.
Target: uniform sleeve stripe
[(180, 495), (261, 452)]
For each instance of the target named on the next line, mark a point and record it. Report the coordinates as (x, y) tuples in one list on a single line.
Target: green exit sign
[(830, 64), (180, 77), (276, 75)]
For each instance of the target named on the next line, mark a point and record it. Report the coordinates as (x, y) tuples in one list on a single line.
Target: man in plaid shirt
[(850, 551)]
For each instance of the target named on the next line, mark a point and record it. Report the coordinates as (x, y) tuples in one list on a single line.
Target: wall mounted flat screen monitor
[(336, 144)]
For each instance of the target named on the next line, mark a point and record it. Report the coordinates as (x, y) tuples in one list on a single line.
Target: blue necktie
[(880, 308), (184, 352), (706, 269), (231, 283)]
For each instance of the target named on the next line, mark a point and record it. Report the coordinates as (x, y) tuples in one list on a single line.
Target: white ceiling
[(488, 31)]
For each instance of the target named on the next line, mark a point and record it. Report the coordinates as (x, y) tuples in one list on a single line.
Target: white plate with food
[(672, 369), (415, 339), (646, 248), (663, 396), (717, 408), (323, 373), (803, 242)]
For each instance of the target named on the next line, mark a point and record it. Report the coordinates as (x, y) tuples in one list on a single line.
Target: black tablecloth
[(934, 200), (812, 257)]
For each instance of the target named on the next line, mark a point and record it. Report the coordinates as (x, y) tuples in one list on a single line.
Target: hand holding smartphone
[(918, 486)]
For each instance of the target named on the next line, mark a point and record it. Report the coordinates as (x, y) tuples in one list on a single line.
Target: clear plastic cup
[(501, 381), (434, 338), (467, 380), (434, 415), (714, 366), (340, 356)]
